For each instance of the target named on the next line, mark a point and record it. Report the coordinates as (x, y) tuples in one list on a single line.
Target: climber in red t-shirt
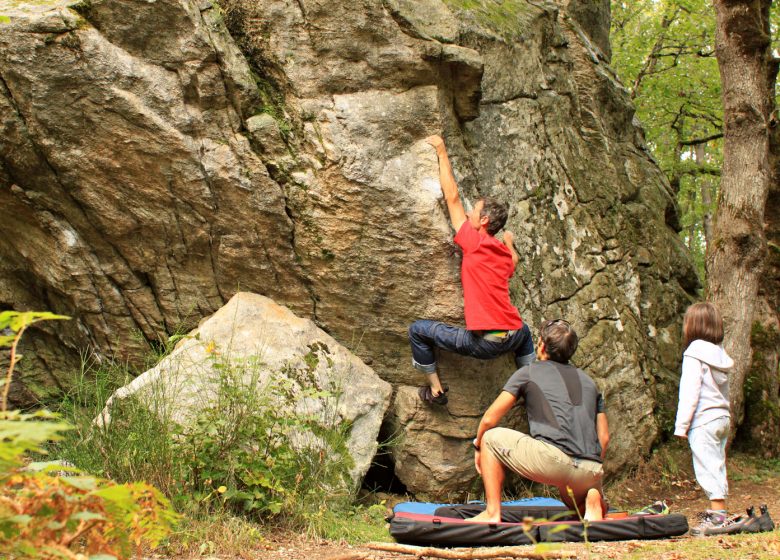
[(493, 325)]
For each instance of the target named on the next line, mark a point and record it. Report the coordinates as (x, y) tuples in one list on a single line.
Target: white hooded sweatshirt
[(704, 386)]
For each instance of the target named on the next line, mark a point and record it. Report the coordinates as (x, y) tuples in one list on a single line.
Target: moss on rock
[(508, 19), (760, 430)]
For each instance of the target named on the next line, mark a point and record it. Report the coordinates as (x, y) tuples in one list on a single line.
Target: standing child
[(703, 413)]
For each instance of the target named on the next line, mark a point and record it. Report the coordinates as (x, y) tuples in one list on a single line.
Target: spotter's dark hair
[(560, 340)]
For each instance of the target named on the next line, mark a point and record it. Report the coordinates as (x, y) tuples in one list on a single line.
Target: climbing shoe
[(752, 523), (757, 523), (766, 522), (426, 395), (658, 507), (717, 523)]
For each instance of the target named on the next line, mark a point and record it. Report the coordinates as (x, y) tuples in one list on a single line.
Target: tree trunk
[(736, 259), (692, 241), (706, 197), (761, 429)]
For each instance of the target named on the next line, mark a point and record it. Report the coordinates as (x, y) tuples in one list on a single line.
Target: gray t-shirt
[(561, 402)]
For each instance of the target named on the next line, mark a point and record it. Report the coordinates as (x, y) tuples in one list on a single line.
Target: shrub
[(267, 447), (262, 444), (43, 515)]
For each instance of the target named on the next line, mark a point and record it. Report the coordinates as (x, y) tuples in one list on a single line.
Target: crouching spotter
[(568, 425)]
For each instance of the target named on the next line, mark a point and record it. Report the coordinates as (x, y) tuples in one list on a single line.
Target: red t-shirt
[(485, 273)]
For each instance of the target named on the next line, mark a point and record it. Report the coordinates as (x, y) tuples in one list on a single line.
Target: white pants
[(708, 446)]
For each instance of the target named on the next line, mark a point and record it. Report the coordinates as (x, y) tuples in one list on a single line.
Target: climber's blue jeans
[(426, 335)]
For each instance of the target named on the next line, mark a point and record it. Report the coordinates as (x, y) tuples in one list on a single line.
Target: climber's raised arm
[(448, 185)]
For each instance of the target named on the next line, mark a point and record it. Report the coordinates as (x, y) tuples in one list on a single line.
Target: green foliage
[(664, 52), (21, 434), (12, 327), (135, 445), (268, 447), (18, 321), (44, 515), (356, 524), (261, 446)]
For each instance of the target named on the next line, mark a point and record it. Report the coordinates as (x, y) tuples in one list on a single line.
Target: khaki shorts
[(542, 462)]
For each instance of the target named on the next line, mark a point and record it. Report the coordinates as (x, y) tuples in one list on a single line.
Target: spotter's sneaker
[(658, 507)]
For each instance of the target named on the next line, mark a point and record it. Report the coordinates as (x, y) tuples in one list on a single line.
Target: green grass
[(224, 534), (213, 534), (135, 447), (762, 546), (356, 525)]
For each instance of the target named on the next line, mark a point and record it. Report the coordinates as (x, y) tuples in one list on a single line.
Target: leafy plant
[(15, 323), (45, 515), (25, 433), (266, 446), (261, 446)]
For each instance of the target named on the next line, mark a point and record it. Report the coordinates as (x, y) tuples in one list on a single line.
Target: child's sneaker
[(717, 523), (658, 507)]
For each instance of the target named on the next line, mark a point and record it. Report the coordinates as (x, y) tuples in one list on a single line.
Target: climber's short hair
[(496, 213)]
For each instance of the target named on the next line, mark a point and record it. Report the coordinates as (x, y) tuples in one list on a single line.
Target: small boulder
[(254, 329)]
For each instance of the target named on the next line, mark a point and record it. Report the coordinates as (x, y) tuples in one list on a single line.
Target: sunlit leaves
[(17, 320), (24, 433), (663, 50)]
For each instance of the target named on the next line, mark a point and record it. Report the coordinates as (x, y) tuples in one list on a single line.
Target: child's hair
[(702, 321)]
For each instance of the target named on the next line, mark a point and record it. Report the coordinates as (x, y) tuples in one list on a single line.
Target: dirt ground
[(668, 476)]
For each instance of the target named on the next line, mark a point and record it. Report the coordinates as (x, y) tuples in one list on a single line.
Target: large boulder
[(253, 329), (156, 156)]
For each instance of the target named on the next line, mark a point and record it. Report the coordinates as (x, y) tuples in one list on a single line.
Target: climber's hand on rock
[(436, 141)]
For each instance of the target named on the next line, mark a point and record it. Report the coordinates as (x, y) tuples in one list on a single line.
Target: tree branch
[(697, 170), (704, 140), (649, 66)]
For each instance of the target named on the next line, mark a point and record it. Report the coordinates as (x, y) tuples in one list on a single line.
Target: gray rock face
[(146, 185), (252, 329)]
